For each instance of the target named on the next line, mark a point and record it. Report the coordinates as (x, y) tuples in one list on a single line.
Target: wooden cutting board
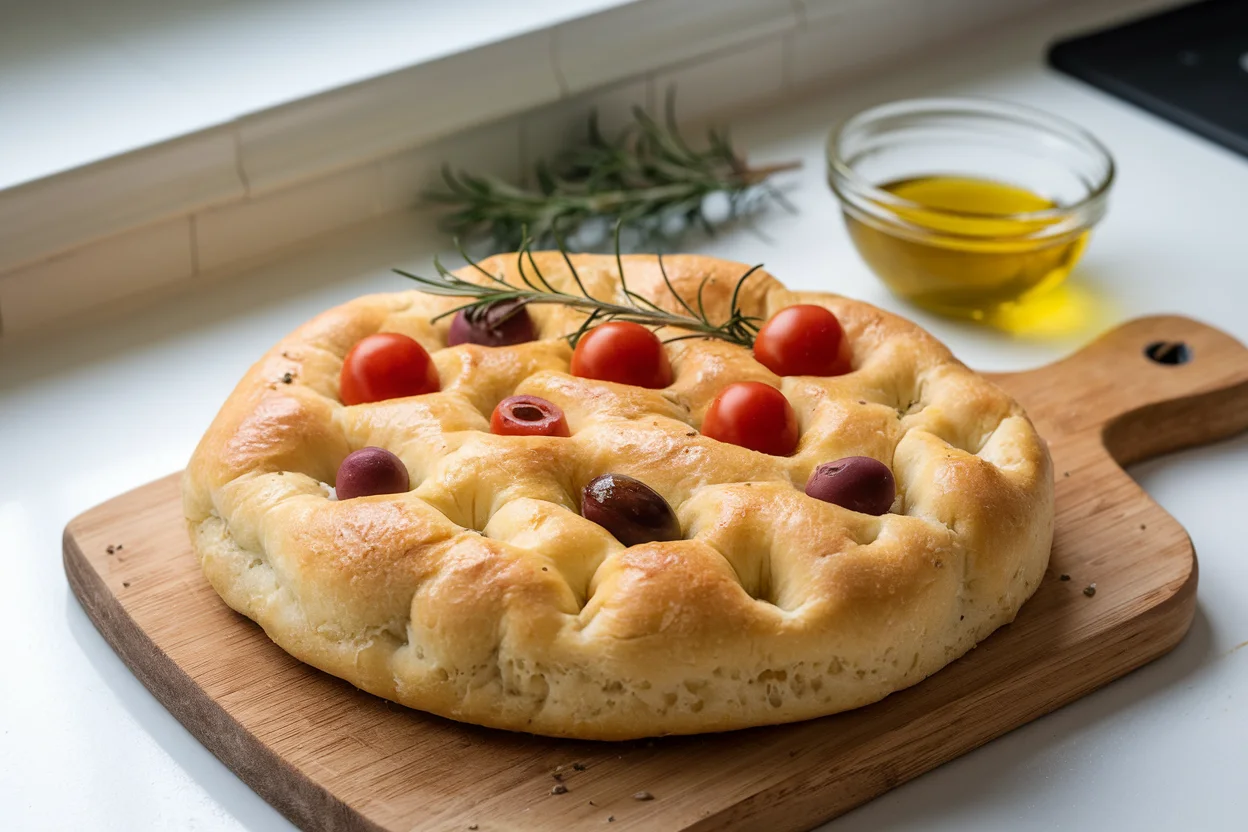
[(331, 757)]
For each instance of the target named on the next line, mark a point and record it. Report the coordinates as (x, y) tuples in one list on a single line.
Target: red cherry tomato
[(528, 416), (624, 352), (387, 365), (803, 340), (753, 415)]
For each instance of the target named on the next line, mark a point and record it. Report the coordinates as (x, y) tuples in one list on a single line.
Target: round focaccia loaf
[(482, 594)]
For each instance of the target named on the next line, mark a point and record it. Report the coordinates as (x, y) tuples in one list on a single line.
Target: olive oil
[(966, 246)]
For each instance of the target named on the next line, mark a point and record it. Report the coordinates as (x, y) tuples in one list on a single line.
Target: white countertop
[(93, 411)]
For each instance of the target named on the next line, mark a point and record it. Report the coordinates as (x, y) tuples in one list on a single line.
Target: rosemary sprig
[(739, 328), (645, 178)]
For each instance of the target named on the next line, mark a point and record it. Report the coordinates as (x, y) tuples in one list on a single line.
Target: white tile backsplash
[(403, 110), (640, 37), (116, 195), (247, 231), (70, 283), (853, 35), (492, 149), (942, 18), (556, 126), (274, 179), (737, 78), (812, 11)]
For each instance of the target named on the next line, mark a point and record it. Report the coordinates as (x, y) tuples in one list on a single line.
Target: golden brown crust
[(483, 596)]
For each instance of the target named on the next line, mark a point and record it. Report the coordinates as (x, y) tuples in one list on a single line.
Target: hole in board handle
[(1170, 353)]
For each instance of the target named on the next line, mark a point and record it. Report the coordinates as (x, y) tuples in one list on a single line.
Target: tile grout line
[(553, 51), (379, 188), (799, 12), (193, 219), (788, 55), (237, 136), (522, 147)]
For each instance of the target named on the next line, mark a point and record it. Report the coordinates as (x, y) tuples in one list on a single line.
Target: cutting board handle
[(1151, 386)]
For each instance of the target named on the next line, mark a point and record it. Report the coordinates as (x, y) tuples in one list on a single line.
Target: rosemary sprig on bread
[(738, 328)]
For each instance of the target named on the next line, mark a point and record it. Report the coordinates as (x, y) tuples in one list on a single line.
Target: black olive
[(859, 483), (499, 324), (631, 510), (370, 471)]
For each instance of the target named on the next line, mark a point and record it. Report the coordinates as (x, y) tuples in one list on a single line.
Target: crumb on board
[(1063, 577), (643, 795), (125, 584), (1089, 590), (1143, 527), (562, 769), (558, 788), (610, 818), (473, 826)]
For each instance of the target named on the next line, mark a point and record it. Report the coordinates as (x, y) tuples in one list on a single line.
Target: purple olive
[(370, 471), (859, 483), (631, 510), (498, 324)]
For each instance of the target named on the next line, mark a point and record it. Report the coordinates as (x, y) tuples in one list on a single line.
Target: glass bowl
[(963, 205)]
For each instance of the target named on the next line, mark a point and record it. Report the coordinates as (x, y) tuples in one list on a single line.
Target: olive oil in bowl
[(967, 206), (964, 246)]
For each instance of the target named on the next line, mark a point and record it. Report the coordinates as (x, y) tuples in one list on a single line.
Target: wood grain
[(330, 757)]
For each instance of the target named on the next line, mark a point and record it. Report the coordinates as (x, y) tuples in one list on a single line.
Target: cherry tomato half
[(387, 365), (803, 340), (753, 415), (623, 352), (528, 416)]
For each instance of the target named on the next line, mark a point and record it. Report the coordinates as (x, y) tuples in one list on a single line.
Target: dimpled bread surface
[(482, 594)]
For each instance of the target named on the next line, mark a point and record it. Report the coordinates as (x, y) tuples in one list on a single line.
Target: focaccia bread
[(483, 595)]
